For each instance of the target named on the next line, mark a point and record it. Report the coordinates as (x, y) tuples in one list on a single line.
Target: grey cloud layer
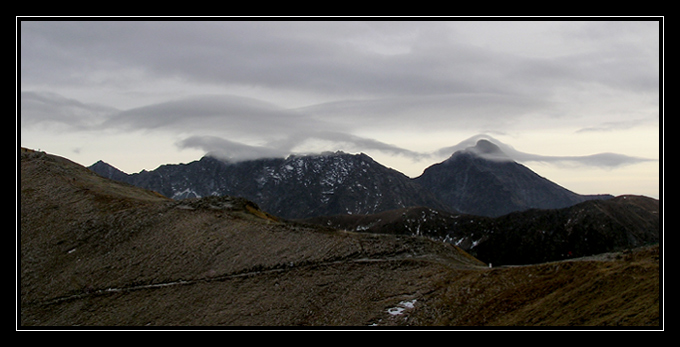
[(331, 57), (223, 113), (37, 108), (283, 131), (230, 150), (351, 77), (237, 117), (235, 151), (423, 113)]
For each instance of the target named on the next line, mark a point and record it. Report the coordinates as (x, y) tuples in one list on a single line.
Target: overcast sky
[(576, 101)]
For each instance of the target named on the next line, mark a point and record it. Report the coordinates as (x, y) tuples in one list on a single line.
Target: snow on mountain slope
[(294, 187)]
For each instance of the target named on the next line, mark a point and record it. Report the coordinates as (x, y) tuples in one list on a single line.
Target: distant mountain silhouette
[(484, 181)]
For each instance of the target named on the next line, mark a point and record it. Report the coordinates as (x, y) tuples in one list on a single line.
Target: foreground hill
[(99, 252), (94, 252), (609, 290)]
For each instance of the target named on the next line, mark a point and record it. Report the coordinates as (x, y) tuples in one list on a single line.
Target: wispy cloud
[(601, 160), (51, 108), (230, 150), (222, 125), (618, 125), (225, 114), (293, 144)]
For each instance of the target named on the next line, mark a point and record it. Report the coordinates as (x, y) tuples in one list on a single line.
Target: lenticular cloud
[(603, 160)]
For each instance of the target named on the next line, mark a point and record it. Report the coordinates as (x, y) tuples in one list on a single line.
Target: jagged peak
[(100, 162), (102, 165)]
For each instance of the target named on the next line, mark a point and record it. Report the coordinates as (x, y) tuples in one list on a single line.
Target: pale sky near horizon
[(576, 101)]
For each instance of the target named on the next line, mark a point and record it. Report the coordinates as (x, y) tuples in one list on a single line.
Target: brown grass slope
[(97, 252), (94, 252), (621, 290)]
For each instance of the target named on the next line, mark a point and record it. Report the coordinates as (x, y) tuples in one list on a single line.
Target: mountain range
[(479, 180), (294, 187)]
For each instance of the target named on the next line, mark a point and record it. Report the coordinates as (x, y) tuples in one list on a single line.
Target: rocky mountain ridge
[(294, 187), (479, 180)]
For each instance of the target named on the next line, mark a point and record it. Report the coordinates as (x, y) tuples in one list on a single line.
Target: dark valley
[(526, 237)]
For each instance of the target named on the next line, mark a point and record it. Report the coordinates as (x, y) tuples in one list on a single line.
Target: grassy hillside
[(619, 290), (94, 252)]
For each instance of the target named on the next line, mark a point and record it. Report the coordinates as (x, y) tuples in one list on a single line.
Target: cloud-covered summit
[(481, 145), (490, 148)]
